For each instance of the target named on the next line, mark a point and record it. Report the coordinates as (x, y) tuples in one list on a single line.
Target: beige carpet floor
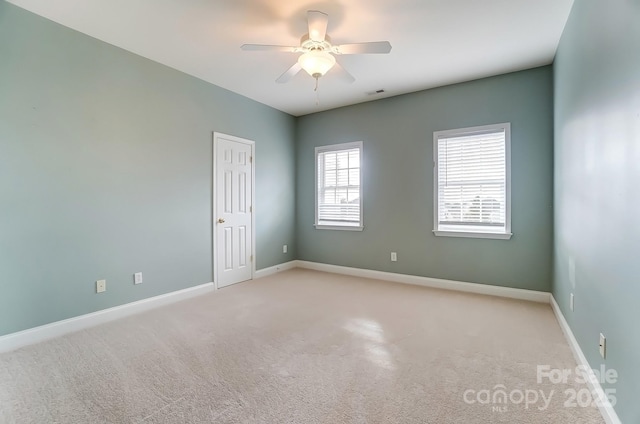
[(302, 347)]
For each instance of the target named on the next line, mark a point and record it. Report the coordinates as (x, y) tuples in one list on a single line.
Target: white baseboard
[(45, 332), (275, 269), (605, 407), (531, 295)]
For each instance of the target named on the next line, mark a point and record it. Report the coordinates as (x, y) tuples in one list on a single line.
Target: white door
[(233, 207)]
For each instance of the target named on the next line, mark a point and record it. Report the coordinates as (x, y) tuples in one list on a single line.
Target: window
[(472, 188), (338, 187)]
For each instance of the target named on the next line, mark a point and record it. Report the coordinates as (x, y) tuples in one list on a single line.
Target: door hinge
[(250, 208), (250, 159), (251, 258)]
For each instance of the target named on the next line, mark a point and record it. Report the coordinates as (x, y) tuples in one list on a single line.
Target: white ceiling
[(435, 42)]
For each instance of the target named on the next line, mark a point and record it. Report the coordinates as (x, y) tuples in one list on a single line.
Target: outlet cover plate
[(137, 278), (101, 286)]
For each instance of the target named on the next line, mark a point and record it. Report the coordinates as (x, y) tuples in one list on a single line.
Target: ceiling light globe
[(317, 63)]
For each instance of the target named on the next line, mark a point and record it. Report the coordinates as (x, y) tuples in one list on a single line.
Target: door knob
[(220, 221)]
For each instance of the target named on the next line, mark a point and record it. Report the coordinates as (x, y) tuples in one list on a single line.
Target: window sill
[(339, 227), (497, 236)]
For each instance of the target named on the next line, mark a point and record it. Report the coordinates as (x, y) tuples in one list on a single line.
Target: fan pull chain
[(317, 93)]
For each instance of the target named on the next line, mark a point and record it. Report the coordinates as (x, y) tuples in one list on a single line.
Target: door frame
[(214, 249)]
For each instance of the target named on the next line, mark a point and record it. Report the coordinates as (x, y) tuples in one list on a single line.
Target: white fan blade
[(317, 25), (290, 73), (343, 74), (375, 47), (265, 47)]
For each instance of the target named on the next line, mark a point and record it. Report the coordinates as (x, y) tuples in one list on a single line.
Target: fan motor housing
[(309, 44)]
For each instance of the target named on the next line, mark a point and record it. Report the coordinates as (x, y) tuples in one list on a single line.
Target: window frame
[(473, 232), (336, 148)]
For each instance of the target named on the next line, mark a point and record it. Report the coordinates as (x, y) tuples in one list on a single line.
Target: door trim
[(217, 135)]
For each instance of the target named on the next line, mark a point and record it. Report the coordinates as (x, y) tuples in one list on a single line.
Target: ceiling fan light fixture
[(317, 63)]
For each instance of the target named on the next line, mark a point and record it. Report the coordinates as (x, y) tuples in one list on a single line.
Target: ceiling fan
[(318, 54)]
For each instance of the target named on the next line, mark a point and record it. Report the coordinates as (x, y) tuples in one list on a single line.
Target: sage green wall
[(105, 170), (597, 190), (398, 182)]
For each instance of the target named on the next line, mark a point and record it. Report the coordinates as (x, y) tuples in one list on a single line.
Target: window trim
[(502, 235), (331, 148)]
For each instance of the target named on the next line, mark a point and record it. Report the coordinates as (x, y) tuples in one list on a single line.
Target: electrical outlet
[(137, 278), (603, 346), (394, 256), (101, 286), (284, 248), (571, 302)]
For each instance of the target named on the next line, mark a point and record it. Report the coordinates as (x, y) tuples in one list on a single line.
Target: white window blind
[(338, 195), (472, 180)]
